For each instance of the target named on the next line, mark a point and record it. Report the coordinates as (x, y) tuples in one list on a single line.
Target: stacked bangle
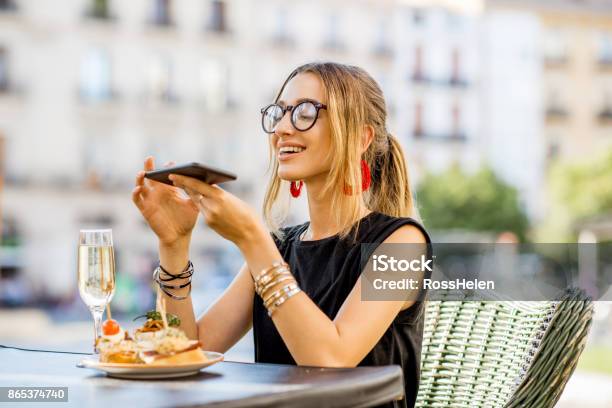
[(186, 273), (269, 279), (280, 300), (267, 275)]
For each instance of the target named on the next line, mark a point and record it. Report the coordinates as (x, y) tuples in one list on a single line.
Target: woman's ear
[(366, 137)]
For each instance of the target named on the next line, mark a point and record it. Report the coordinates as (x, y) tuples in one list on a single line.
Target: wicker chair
[(501, 353)]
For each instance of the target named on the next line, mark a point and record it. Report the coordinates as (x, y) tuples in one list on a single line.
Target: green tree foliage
[(585, 188), (578, 190), (478, 202)]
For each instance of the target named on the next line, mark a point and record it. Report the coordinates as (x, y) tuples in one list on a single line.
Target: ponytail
[(390, 192)]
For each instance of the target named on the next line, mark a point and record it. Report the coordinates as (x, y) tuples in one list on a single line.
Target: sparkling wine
[(96, 274)]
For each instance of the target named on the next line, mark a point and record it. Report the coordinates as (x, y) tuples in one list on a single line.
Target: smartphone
[(203, 173)]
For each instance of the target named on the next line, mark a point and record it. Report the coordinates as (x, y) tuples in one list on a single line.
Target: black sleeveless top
[(326, 270)]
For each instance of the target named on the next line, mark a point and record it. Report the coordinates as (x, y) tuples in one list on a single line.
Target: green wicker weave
[(501, 353)]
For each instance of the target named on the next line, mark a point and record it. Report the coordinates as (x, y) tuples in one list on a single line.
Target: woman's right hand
[(170, 215)]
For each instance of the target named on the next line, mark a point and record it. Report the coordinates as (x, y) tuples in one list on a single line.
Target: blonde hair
[(353, 100)]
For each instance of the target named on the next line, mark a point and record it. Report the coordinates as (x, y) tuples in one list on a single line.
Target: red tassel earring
[(366, 179), (296, 188)]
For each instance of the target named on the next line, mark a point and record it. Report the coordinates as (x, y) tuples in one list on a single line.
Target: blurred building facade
[(88, 88), (576, 50), (575, 43)]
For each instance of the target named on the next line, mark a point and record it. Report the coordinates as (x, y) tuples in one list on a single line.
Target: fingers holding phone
[(169, 214), (225, 213)]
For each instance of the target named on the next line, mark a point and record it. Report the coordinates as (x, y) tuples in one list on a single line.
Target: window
[(417, 67), (417, 129), (455, 78), (159, 80), (162, 13), (605, 114), (95, 76), (418, 16), (456, 129), (7, 5), (218, 17), (555, 47), (385, 85), (4, 74), (555, 108), (96, 154), (99, 9), (605, 49), (281, 36), (553, 148), (454, 21), (332, 37), (382, 47), (214, 79)]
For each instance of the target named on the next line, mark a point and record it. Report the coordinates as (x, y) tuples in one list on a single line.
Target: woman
[(327, 132)]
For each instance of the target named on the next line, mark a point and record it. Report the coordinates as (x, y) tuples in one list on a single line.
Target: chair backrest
[(501, 353)]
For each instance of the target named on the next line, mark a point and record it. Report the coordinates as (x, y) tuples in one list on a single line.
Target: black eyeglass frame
[(289, 108)]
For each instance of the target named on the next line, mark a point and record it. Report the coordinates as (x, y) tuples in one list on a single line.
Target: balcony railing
[(605, 62), (383, 50), (554, 113), (457, 81), (458, 136), (99, 10), (334, 44), (282, 40), (419, 77), (605, 116)]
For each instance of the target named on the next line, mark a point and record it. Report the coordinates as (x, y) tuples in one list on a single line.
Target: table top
[(225, 384)]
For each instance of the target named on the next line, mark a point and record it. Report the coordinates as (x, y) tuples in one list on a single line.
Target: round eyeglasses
[(303, 115)]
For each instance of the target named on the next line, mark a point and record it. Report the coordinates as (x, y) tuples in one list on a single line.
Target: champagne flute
[(96, 272)]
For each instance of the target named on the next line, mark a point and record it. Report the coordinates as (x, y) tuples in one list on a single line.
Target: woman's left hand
[(229, 216)]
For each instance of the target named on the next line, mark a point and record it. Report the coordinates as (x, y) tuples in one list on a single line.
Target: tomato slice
[(110, 327)]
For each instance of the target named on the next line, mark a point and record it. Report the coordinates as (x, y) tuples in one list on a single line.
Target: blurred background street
[(504, 110)]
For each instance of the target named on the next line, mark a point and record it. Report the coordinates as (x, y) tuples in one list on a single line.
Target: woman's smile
[(287, 151)]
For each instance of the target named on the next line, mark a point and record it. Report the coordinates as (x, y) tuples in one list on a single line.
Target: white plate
[(151, 371)]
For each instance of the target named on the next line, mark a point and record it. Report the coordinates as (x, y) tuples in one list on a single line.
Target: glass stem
[(97, 313)]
